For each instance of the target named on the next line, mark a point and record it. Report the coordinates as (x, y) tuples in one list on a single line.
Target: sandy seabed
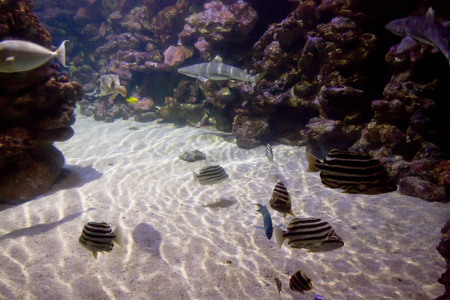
[(187, 241)]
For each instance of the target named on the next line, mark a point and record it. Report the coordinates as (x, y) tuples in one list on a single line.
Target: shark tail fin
[(255, 79), (60, 53)]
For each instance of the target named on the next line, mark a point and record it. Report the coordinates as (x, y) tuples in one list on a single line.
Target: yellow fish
[(132, 100)]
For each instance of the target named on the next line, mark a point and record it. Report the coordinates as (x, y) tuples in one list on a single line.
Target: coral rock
[(250, 132), (414, 186), (176, 55)]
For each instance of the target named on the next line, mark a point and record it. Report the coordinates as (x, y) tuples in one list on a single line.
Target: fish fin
[(123, 91), (10, 59), (95, 254), (446, 24), (218, 59), (311, 159), (430, 13), (203, 79), (435, 50), (120, 236), (291, 213), (406, 43), (259, 207), (278, 234), (255, 79), (113, 96), (60, 53), (195, 176)]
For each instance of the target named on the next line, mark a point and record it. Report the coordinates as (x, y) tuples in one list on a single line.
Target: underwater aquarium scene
[(225, 149)]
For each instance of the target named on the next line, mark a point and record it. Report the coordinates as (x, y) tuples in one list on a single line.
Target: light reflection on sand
[(179, 248)]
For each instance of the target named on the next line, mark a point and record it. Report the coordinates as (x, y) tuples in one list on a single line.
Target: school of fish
[(351, 172)]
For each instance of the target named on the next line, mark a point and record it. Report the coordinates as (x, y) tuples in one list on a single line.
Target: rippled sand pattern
[(186, 241)]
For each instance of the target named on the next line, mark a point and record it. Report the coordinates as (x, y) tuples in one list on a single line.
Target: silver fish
[(216, 70), (281, 201), (352, 172), (210, 175), (21, 56), (269, 152), (110, 85), (299, 282), (423, 29), (99, 237), (309, 233)]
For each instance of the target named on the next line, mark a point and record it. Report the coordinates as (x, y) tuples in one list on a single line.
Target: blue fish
[(318, 297), (267, 220)]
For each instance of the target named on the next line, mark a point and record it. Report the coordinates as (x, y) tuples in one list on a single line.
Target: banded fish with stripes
[(352, 172), (281, 201), (217, 70), (299, 282), (210, 175), (269, 152), (309, 233), (99, 237)]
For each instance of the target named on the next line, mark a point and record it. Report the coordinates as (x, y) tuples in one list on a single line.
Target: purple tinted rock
[(220, 22), (176, 55), (416, 187), (250, 131)]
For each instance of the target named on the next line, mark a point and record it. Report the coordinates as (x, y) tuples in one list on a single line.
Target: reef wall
[(332, 77), (36, 109)]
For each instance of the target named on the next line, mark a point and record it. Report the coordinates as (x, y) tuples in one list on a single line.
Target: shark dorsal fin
[(217, 59), (430, 13)]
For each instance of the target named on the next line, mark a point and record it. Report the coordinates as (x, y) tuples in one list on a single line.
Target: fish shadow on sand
[(222, 202), (148, 238), (40, 228), (73, 176)]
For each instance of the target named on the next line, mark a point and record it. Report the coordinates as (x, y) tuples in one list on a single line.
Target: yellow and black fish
[(210, 175), (300, 282), (99, 237), (281, 201), (352, 172)]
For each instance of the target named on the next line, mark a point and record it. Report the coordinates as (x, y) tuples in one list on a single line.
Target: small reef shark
[(216, 70), (423, 29)]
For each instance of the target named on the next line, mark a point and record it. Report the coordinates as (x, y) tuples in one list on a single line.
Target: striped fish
[(267, 220), (309, 233), (352, 172), (279, 284), (269, 152), (281, 201), (210, 175), (216, 70), (299, 282), (99, 237)]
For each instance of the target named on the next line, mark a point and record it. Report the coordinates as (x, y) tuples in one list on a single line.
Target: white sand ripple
[(179, 248)]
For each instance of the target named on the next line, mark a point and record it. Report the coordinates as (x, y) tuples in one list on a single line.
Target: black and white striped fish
[(281, 201), (210, 175), (352, 172), (269, 152), (99, 237), (299, 282), (309, 233)]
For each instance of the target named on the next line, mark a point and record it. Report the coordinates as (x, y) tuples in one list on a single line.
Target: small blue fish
[(319, 297), (267, 220)]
